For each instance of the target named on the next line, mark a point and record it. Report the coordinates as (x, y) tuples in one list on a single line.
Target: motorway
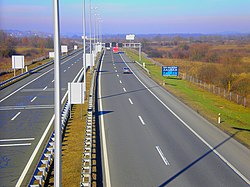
[(26, 112), (150, 138)]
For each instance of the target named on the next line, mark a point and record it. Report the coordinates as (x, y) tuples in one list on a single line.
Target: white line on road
[(34, 153), (141, 120), (64, 71), (25, 85), (30, 82), (120, 81), (193, 131), (124, 90), (68, 67), (117, 75), (104, 144), (45, 87), (130, 101), (115, 67), (14, 145), (12, 119), (20, 139), (33, 99), (72, 64), (115, 70), (53, 81), (162, 155)]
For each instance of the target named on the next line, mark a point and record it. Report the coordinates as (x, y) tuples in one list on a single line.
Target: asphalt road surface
[(26, 110), (149, 138)]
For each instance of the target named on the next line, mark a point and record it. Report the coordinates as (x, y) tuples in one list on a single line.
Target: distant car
[(126, 70)]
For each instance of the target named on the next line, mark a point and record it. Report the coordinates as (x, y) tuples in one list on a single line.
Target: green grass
[(235, 118)]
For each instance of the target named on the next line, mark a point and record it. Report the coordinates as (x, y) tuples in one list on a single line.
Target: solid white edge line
[(24, 86), (26, 169), (12, 119), (104, 144), (32, 100), (162, 155), (124, 90), (141, 120), (130, 101), (15, 145), (32, 81), (195, 133)]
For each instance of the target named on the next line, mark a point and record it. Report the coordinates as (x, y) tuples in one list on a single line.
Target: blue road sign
[(170, 71)]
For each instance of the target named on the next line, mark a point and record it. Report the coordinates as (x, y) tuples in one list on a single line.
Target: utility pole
[(57, 94)]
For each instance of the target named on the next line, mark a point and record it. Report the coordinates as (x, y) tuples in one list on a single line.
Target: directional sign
[(170, 71)]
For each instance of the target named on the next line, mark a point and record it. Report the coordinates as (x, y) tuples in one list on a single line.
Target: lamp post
[(84, 45), (90, 36), (94, 8), (57, 110)]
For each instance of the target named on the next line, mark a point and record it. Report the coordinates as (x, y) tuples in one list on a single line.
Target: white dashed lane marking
[(12, 119)]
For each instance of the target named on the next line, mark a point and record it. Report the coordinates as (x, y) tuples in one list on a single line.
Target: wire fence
[(231, 96)]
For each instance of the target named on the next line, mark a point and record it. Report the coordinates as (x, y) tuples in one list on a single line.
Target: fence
[(231, 96)]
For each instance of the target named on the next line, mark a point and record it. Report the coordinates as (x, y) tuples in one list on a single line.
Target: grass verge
[(235, 118)]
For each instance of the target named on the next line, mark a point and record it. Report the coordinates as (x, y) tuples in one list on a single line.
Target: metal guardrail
[(86, 172), (13, 79)]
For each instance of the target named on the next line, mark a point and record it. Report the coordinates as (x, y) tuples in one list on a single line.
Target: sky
[(130, 16)]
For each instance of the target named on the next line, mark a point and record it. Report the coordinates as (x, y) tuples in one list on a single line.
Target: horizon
[(140, 17)]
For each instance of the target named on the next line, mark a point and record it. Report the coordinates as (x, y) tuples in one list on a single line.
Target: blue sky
[(131, 16)]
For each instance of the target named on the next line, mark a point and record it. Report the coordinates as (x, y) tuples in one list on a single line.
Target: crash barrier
[(86, 172), (46, 160), (14, 79)]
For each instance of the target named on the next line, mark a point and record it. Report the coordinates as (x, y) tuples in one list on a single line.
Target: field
[(29, 55), (235, 118)]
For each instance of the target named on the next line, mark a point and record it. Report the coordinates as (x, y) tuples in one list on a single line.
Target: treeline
[(9, 44), (225, 63)]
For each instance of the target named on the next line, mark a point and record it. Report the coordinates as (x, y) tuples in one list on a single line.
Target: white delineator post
[(57, 110), (219, 119)]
